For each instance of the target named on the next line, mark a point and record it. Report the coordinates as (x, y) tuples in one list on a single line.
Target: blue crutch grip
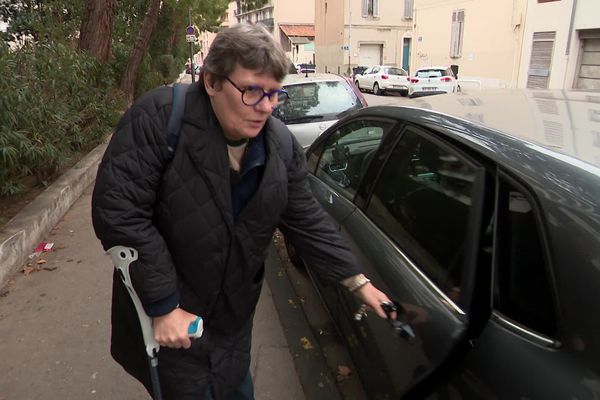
[(196, 328)]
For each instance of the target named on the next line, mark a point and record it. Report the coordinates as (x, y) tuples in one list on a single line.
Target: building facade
[(482, 39), (290, 22), (561, 47), (350, 33)]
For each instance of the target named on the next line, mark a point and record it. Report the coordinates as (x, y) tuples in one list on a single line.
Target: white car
[(433, 80), (382, 79), (316, 101)]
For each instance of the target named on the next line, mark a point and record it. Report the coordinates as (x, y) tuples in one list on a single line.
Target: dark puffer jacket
[(179, 217)]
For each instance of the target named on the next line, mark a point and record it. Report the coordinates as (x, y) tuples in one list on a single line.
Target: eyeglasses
[(252, 95)]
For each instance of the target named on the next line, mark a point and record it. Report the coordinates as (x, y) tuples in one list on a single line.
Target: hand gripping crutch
[(122, 257)]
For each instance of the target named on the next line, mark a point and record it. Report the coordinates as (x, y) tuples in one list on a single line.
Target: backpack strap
[(285, 138), (176, 117)]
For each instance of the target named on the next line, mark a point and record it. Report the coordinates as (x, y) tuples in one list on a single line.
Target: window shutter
[(375, 8), (364, 7), (408, 9)]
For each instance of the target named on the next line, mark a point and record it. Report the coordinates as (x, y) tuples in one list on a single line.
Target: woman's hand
[(373, 298), (171, 330)]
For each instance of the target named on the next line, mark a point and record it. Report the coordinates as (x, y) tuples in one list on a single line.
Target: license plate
[(429, 88)]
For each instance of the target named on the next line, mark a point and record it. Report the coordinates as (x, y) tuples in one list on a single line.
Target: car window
[(422, 200), (431, 73), (312, 101), (375, 70), (522, 290), (395, 71), (347, 153)]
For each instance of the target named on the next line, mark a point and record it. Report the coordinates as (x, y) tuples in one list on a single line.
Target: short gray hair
[(249, 46)]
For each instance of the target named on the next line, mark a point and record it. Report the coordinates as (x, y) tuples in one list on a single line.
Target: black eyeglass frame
[(269, 95)]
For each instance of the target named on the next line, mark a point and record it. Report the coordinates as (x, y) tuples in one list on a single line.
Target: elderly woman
[(202, 219)]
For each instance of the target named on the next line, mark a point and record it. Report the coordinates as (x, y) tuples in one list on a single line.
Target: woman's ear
[(209, 83)]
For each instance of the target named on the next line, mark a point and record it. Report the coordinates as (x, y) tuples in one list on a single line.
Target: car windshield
[(314, 101), (431, 73), (395, 71)]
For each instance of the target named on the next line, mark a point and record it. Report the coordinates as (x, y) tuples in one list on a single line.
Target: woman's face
[(237, 119)]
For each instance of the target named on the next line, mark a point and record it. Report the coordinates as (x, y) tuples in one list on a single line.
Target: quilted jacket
[(178, 215)]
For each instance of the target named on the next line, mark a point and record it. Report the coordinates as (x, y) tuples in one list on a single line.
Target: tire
[(357, 85), (458, 89), (404, 93), (376, 90)]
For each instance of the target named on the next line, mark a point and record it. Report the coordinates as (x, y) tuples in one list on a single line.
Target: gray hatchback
[(479, 214)]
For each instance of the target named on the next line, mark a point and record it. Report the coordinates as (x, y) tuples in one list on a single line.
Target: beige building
[(349, 33), (561, 47), (291, 22), (482, 38)]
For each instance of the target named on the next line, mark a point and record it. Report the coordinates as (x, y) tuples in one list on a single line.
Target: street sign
[(190, 38), (345, 47), (190, 30)]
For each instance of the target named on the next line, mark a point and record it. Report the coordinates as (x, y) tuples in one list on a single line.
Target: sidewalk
[(55, 322)]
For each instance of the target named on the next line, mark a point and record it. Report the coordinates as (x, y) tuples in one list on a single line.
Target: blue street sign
[(190, 30)]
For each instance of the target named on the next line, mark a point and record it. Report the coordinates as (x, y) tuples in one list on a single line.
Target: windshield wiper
[(305, 118)]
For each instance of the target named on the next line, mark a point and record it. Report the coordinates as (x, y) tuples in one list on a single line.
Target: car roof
[(294, 79), (562, 122), (433, 67)]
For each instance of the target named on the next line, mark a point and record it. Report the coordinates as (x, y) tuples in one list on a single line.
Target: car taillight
[(413, 80), (446, 79), (384, 76)]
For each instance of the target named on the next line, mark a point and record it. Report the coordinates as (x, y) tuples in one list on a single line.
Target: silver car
[(316, 101), (479, 215)]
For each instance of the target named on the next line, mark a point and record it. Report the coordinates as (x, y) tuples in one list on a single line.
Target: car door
[(415, 235), (363, 78)]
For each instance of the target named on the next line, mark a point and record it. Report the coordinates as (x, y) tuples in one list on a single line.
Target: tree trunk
[(140, 47), (96, 28)]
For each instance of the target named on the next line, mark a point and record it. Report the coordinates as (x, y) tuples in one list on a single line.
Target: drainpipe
[(569, 37)]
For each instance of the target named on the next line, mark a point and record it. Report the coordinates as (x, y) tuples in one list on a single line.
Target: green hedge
[(55, 103)]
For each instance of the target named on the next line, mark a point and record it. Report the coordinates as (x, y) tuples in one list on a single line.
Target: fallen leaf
[(342, 373), (41, 261), (28, 270), (306, 343)]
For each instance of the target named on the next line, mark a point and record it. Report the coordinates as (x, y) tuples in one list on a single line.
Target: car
[(304, 68), (382, 79), (316, 101), (479, 216), (433, 80)]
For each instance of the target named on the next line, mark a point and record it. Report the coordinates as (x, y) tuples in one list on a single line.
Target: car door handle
[(399, 326)]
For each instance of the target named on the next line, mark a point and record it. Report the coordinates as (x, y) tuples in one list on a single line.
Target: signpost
[(190, 36)]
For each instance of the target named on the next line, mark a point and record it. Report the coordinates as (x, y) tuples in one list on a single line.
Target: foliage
[(54, 104)]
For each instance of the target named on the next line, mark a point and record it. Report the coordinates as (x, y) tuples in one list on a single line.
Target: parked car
[(304, 68), (316, 102), (382, 79), (480, 216), (433, 80), (188, 69)]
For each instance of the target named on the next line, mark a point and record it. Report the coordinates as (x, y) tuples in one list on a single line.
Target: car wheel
[(458, 89), (357, 85), (376, 90), (404, 93)]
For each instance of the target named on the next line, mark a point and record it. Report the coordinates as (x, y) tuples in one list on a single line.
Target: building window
[(370, 8), (408, 9), (456, 39), (540, 64)]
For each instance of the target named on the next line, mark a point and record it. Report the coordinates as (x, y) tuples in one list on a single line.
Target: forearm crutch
[(122, 257)]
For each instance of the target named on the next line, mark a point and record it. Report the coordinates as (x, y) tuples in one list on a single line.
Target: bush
[(54, 103)]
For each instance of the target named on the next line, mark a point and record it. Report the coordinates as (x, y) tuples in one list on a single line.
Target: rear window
[(432, 73), (316, 99), (395, 71)]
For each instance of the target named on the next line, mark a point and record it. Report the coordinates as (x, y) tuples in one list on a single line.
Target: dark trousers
[(244, 392)]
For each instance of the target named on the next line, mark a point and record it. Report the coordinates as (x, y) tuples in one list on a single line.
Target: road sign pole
[(191, 47)]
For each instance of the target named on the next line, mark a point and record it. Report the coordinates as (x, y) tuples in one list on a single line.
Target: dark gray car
[(481, 219)]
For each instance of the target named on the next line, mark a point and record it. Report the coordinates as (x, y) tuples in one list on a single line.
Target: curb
[(21, 234)]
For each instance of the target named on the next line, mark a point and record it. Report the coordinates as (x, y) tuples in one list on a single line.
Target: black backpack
[(176, 118)]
